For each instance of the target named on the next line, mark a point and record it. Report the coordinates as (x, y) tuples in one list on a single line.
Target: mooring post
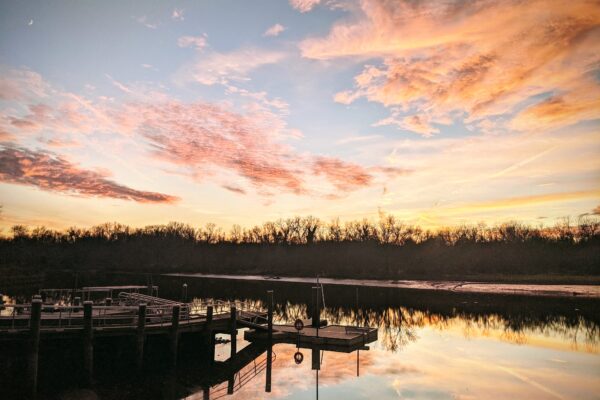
[(88, 341), (208, 334), (140, 335), (34, 343), (230, 384), (174, 339), (270, 315), (269, 368), (233, 331), (316, 360), (211, 348)]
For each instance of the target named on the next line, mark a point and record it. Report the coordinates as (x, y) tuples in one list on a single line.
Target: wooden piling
[(233, 331), (174, 336), (34, 344), (316, 359), (270, 314), (88, 341), (140, 335), (208, 336), (269, 368), (209, 317), (230, 383)]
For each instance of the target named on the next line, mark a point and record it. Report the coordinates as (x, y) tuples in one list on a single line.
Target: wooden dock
[(138, 315)]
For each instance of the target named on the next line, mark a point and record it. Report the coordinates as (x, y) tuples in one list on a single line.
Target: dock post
[(230, 383), (174, 339), (270, 348), (269, 367), (316, 359), (34, 343), (88, 341), (233, 331), (140, 335), (208, 334), (270, 315)]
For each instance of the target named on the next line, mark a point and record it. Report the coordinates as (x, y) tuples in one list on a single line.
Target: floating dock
[(332, 337)]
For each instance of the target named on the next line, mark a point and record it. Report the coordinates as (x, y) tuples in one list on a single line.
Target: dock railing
[(16, 317)]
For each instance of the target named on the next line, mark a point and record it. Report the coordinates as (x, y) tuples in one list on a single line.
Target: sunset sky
[(239, 112)]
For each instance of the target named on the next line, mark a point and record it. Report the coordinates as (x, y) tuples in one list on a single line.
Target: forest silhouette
[(307, 246)]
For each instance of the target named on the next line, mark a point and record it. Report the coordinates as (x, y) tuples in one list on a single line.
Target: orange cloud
[(447, 60), (200, 139), (53, 173), (344, 176), (304, 5)]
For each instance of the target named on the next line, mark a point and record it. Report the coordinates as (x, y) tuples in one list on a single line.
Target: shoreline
[(548, 290)]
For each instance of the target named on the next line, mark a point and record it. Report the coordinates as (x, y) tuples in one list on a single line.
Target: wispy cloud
[(275, 30), (446, 60), (177, 14), (143, 19), (345, 176), (215, 67), (358, 139), (197, 42), (201, 140), (50, 172), (304, 5)]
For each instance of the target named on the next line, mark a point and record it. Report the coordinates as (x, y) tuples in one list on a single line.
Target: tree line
[(308, 246)]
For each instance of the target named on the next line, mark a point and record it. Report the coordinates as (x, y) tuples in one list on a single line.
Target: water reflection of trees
[(398, 326)]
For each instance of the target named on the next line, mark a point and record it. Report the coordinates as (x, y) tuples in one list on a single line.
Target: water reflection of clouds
[(425, 355), (399, 326)]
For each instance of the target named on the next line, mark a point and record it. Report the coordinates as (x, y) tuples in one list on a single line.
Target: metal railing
[(17, 316), (245, 375)]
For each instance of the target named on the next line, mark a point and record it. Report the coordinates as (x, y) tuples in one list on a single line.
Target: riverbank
[(528, 289)]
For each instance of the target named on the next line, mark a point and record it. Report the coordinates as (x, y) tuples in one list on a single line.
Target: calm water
[(431, 346)]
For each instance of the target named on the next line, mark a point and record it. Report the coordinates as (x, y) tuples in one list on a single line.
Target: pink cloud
[(197, 42), (177, 14), (202, 136), (221, 68), (447, 60), (343, 175), (304, 5), (275, 30), (50, 172), (202, 140)]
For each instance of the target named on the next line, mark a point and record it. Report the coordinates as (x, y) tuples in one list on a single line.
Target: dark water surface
[(432, 345)]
